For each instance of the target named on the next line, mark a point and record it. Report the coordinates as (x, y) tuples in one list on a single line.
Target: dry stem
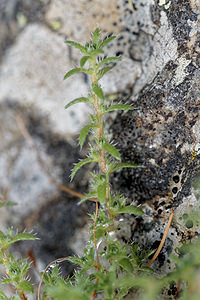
[(49, 265), (162, 241)]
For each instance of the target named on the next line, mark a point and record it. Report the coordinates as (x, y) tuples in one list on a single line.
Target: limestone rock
[(162, 133)]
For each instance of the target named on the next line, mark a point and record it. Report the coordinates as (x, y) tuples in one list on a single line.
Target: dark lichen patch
[(179, 15), (176, 178)]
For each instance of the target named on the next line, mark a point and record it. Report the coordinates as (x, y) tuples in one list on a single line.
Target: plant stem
[(22, 296), (162, 241), (95, 242), (100, 128)]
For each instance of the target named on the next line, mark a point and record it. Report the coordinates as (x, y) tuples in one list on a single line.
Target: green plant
[(101, 267), (15, 269), (109, 269)]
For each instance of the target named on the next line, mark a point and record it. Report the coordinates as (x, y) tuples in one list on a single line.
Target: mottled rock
[(162, 134), (32, 64), (15, 15), (159, 75)]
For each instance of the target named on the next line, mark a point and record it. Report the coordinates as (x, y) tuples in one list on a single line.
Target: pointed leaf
[(84, 132), (77, 100), (83, 60), (76, 70), (77, 45), (116, 166), (101, 193), (98, 91), (4, 296), (103, 71), (3, 204), (95, 37), (91, 195), (111, 150), (96, 51), (7, 280), (124, 107), (25, 236), (25, 286), (108, 60), (81, 164), (129, 210), (126, 265), (106, 41)]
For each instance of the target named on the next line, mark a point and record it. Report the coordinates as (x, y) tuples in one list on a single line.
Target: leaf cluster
[(15, 269)]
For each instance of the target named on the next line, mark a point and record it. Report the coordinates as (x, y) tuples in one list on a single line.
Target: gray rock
[(33, 64), (162, 134)]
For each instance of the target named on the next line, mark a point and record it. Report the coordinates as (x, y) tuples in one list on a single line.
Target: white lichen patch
[(188, 210), (165, 3), (196, 131), (195, 6), (162, 2), (186, 148), (180, 71), (197, 148), (164, 50)]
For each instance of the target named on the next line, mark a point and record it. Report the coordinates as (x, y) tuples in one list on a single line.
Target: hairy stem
[(22, 296), (94, 234)]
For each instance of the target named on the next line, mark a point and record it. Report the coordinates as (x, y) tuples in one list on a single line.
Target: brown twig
[(162, 241), (22, 296), (131, 5), (48, 266)]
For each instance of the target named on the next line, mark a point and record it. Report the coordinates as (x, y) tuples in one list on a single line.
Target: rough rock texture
[(15, 15), (162, 134), (30, 164), (43, 76), (159, 75)]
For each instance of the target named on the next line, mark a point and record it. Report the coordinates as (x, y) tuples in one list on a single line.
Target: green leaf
[(25, 236), (88, 196), (3, 204), (84, 133), (103, 71), (76, 70), (3, 295), (111, 150), (77, 100), (76, 260), (116, 166), (77, 45), (96, 51), (25, 286), (24, 269), (108, 60), (98, 91), (128, 210), (83, 60), (81, 164), (101, 192), (95, 37), (7, 280), (106, 41), (126, 265), (124, 107)]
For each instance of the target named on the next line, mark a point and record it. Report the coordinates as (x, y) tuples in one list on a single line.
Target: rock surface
[(159, 75), (162, 134)]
